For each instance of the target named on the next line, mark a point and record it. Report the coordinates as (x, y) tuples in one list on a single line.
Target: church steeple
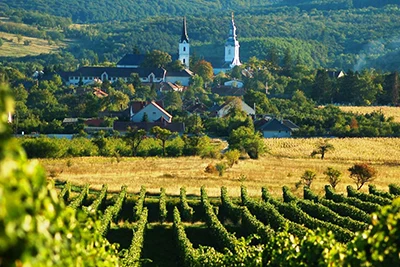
[(184, 36), (232, 46), (184, 46)]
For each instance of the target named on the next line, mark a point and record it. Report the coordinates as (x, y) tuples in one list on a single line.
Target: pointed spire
[(184, 36)]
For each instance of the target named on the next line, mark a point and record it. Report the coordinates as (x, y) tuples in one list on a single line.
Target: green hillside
[(346, 34)]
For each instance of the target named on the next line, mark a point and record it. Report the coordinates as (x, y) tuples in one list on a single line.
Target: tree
[(232, 156), (204, 70), (134, 138), (362, 173), (307, 178), (332, 176), (163, 135), (322, 87), (322, 148), (156, 59), (246, 140)]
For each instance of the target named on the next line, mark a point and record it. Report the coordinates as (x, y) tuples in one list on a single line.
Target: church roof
[(131, 59), (116, 72), (181, 73), (184, 36)]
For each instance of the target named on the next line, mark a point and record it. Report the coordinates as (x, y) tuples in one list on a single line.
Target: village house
[(274, 128)]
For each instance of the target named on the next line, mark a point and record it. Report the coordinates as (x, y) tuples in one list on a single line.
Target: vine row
[(77, 202), (163, 205), (186, 210), (138, 208), (351, 192)]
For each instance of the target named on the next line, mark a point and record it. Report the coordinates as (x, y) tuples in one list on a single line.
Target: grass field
[(11, 47), (283, 165), (387, 111)]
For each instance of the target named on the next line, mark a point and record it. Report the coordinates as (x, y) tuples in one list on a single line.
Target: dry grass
[(286, 163), (387, 111), (15, 49)]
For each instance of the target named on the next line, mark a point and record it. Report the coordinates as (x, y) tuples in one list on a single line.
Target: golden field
[(387, 111), (15, 49), (283, 165)]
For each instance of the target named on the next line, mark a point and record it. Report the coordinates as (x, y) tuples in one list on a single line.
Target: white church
[(130, 63), (231, 58)]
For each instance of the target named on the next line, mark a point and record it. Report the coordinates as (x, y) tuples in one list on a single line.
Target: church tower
[(232, 47), (184, 46)]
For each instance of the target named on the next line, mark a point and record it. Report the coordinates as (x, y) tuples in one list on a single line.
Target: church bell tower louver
[(184, 46), (232, 47)]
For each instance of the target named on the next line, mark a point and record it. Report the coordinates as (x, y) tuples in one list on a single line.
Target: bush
[(232, 156), (211, 168), (221, 167), (362, 173), (332, 176)]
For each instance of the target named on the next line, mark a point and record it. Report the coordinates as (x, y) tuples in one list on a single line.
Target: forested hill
[(84, 11), (345, 34)]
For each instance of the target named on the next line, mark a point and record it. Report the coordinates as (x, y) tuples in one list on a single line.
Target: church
[(130, 63), (231, 58)]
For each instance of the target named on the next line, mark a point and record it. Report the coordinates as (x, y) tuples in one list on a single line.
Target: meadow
[(387, 111), (12, 48), (285, 162)]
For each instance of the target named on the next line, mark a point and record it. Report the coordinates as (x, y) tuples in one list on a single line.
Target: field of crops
[(162, 230)]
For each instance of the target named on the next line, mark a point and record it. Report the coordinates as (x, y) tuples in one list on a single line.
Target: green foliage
[(65, 192), (374, 191), (138, 208), (163, 205), (77, 202), (332, 176), (322, 148), (362, 173), (93, 208), (246, 140), (307, 178), (379, 245), (367, 207), (232, 156), (394, 189), (132, 256), (221, 168), (223, 237), (351, 192), (38, 230), (186, 210)]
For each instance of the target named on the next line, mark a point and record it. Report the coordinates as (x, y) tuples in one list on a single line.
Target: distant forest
[(342, 34)]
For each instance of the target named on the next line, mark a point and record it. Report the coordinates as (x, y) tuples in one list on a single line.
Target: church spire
[(184, 36)]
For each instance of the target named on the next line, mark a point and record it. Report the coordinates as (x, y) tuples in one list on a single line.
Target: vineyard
[(161, 230)]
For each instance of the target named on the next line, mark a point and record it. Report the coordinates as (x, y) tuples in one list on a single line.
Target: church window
[(184, 61), (229, 51), (184, 49)]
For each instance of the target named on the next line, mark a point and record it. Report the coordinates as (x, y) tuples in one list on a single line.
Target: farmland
[(283, 165), (219, 224)]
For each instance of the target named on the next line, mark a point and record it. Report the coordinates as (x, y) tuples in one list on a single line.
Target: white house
[(274, 128), (183, 77), (224, 109), (90, 75), (234, 83), (154, 113)]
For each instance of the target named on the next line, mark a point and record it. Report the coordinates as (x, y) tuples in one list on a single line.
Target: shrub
[(361, 174), (307, 178), (221, 167), (332, 176), (232, 156), (211, 168)]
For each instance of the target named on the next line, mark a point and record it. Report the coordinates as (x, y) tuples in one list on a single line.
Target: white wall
[(276, 134), (153, 114)]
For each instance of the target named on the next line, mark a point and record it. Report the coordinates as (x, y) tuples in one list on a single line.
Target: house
[(234, 83), (153, 111), (335, 74), (131, 61), (195, 106), (223, 110), (91, 75), (274, 128), (170, 87), (183, 77), (228, 91)]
